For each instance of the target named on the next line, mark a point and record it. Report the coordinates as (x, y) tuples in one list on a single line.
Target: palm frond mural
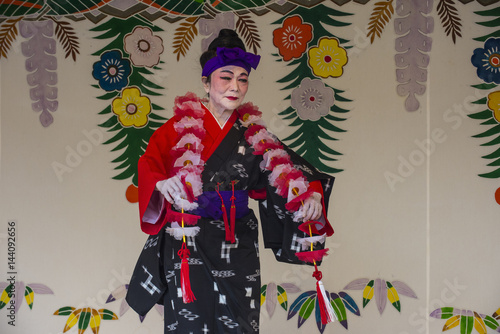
[(12, 294), (85, 317), (132, 116), (381, 15), (382, 291), (467, 320), (450, 19), (413, 23), (307, 304), (8, 34), (486, 60), (68, 38), (247, 29), (184, 36), (313, 53), (271, 293)]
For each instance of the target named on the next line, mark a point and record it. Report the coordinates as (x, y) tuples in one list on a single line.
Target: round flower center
[(291, 38), (131, 108), (495, 60), (311, 98), (112, 71), (327, 59), (144, 45)]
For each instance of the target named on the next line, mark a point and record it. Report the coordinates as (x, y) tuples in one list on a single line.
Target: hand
[(313, 208), (171, 188)]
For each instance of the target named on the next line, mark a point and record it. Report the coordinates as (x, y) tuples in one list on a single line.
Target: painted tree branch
[(247, 28), (184, 35), (449, 18), (67, 36), (8, 34), (380, 17)]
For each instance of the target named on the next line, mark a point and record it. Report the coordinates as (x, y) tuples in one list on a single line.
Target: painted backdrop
[(398, 99)]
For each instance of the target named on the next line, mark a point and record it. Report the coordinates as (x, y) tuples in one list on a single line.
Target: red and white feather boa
[(188, 164)]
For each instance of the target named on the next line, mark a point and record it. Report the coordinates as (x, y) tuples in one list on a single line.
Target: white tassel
[(329, 313)]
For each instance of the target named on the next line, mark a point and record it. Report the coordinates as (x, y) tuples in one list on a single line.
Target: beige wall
[(436, 230)]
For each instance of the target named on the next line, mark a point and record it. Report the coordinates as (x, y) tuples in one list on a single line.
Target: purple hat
[(231, 56)]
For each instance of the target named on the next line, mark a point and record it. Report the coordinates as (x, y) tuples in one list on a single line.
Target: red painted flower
[(292, 38)]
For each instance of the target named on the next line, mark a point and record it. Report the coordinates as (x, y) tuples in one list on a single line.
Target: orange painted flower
[(291, 39)]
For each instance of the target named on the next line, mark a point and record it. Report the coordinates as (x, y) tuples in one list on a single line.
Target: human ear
[(206, 84)]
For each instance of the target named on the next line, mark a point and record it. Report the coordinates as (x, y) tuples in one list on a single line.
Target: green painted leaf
[(282, 297), (492, 175), (263, 290), (338, 307), (66, 310), (491, 322), (84, 320), (485, 114), (306, 309), (484, 86), (466, 324), (107, 314)]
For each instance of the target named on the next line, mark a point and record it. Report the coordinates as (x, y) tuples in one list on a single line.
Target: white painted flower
[(312, 99)]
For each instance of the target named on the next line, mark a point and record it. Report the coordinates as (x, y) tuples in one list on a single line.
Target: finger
[(317, 212), (168, 197), (182, 190), (308, 211)]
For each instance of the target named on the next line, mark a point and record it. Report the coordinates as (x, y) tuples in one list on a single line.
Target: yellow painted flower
[(494, 104), (328, 59), (132, 108)]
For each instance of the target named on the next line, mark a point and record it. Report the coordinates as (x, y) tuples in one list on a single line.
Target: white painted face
[(227, 88)]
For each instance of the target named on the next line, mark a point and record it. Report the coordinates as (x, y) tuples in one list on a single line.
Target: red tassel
[(187, 293), (325, 307), (224, 215), (232, 214)]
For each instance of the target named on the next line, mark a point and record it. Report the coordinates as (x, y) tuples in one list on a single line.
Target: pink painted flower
[(144, 47)]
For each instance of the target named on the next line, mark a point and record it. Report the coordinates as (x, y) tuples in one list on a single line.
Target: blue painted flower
[(112, 71), (487, 61)]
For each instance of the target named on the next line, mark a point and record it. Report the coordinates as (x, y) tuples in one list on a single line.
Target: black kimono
[(224, 267)]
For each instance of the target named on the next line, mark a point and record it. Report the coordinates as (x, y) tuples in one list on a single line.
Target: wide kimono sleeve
[(153, 167), (280, 232)]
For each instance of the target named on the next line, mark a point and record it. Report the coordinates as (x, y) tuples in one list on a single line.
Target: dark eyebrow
[(229, 71)]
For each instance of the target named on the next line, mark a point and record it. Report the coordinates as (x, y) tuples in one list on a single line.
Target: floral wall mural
[(352, 86)]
